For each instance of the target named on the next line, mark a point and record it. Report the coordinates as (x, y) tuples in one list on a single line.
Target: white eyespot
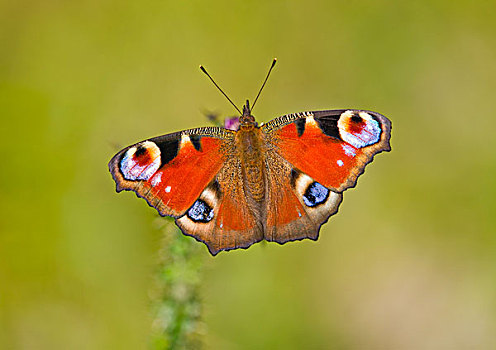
[(340, 162), (168, 189), (348, 150), (366, 131), (134, 169)]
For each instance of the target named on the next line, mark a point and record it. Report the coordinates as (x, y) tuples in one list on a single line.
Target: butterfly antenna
[(267, 77), (217, 86)]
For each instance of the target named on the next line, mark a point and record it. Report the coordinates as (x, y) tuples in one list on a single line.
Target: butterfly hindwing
[(171, 171), (296, 205), (233, 222), (331, 147)]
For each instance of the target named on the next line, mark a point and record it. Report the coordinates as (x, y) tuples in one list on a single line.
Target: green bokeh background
[(408, 263)]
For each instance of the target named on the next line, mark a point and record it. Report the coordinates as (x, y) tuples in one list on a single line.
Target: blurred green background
[(408, 263)]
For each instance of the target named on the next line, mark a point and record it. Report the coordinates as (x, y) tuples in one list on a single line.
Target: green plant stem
[(176, 304)]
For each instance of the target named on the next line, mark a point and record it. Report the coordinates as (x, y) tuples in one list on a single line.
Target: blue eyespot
[(315, 194), (200, 212)]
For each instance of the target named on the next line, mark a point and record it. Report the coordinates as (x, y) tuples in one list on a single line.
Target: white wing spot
[(185, 139), (311, 121), (168, 189), (340, 162), (156, 179)]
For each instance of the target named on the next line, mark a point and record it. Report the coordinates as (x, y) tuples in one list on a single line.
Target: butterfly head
[(247, 120)]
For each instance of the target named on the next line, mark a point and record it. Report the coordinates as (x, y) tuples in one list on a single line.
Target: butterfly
[(279, 181)]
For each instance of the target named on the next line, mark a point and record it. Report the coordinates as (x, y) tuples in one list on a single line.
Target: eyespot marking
[(359, 129), (200, 212), (356, 118), (140, 151), (140, 162), (315, 194)]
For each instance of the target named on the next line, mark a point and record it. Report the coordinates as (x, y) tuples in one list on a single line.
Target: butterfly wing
[(331, 147), (296, 205), (171, 171), (195, 177), (311, 158), (234, 222)]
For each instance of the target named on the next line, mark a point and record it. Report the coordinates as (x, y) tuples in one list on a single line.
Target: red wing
[(331, 147), (171, 171)]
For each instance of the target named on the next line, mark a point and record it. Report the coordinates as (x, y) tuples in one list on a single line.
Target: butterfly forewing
[(171, 171), (331, 147)]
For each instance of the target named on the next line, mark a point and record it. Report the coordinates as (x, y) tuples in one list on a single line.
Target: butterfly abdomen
[(252, 159)]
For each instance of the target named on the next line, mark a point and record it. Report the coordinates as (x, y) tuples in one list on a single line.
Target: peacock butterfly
[(279, 181)]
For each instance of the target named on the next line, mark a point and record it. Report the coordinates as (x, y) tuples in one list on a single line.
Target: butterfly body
[(279, 181), (251, 153)]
